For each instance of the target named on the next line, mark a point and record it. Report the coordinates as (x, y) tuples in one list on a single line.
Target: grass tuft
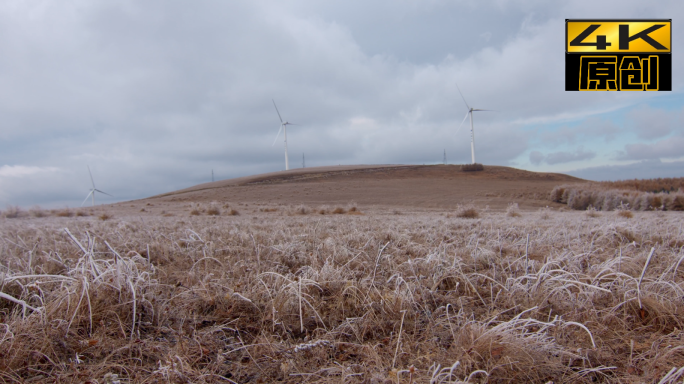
[(37, 211), (213, 211), (592, 212), (12, 212), (66, 212), (477, 167), (513, 210), (624, 213), (545, 213), (468, 212)]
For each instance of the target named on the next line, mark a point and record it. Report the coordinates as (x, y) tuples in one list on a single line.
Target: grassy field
[(380, 297)]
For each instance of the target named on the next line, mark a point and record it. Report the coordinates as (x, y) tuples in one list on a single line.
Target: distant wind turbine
[(472, 131), (93, 190), (283, 127)]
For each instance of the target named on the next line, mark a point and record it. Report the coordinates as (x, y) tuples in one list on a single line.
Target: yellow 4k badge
[(618, 55)]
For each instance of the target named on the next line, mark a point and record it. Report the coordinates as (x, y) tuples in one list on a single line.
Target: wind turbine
[(283, 127), (93, 190), (472, 131)]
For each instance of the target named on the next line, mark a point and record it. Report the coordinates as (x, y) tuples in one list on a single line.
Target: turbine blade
[(104, 192), (276, 107), (91, 176), (489, 110), (278, 135), (86, 199), (464, 119), (459, 91)]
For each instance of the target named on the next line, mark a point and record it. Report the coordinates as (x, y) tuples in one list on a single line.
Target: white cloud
[(561, 157), (18, 171), (670, 148), (653, 123), (590, 129)]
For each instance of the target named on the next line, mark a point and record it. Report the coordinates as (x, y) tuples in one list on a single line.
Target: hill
[(417, 186)]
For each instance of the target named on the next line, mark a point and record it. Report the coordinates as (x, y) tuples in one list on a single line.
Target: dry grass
[(66, 212), (477, 167), (38, 212), (468, 212), (602, 198), (593, 212), (339, 211), (12, 212), (105, 216), (513, 210), (624, 213), (354, 211), (302, 210), (668, 184), (233, 212), (545, 213), (214, 209), (372, 299)]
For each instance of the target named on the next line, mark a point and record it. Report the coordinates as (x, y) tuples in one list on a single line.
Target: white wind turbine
[(93, 190), (472, 132), (283, 127)]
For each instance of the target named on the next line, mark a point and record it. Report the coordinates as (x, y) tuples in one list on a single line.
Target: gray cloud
[(670, 148), (647, 169), (536, 157), (560, 157), (591, 128), (153, 95), (653, 123), (567, 157)]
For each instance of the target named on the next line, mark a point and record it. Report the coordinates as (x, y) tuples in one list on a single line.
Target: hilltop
[(388, 186)]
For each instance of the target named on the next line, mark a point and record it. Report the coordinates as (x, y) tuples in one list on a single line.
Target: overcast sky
[(154, 94)]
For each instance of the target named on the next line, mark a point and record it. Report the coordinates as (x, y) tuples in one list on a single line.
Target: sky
[(153, 95)]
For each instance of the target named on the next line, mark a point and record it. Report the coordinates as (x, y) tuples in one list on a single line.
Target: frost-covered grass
[(427, 298), (600, 196)]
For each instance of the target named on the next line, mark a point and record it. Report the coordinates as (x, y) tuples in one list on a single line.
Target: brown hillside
[(422, 186)]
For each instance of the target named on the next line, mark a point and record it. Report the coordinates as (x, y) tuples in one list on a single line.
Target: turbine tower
[(472, 131), (93, 190), (283, 127)]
